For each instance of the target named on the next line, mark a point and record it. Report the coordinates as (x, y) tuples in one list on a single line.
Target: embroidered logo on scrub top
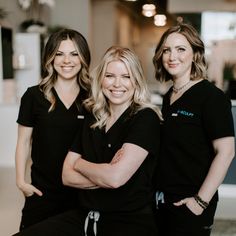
[(183, 112), (80, 117)]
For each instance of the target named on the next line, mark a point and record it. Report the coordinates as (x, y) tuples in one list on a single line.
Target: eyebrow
[(181, 46), (176, 46), (63, 51), (107, 72)]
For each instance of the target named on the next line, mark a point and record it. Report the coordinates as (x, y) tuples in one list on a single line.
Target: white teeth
[(117, 92), (69, 68)]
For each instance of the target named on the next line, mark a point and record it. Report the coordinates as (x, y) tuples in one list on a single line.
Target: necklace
[(176, 90)]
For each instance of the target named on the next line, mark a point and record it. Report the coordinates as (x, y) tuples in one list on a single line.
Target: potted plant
[(34, 9)]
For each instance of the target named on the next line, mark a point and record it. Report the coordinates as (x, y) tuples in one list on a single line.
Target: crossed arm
[(73, 178), (79, 173)]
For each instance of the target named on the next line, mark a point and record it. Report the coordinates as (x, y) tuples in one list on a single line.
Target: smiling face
[(177, 56), (117, 85), (67, 62)]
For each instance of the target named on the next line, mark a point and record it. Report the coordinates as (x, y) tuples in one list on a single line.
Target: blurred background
[(24, 29)]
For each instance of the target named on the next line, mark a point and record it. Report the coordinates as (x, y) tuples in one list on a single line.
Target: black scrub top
[(201, 115), (98, 146), (53, 134)]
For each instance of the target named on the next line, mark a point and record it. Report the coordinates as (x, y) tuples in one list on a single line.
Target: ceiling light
[(149, 10), (160, 20)]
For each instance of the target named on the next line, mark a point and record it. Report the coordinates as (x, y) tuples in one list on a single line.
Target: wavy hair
[(49, 74), (97, 103), (199, 66)]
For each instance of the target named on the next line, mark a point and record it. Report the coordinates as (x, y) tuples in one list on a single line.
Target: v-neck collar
[(183, 95), (63, 104), (119, 120)]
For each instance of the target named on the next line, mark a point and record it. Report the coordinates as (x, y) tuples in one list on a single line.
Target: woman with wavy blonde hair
[(47, 122), (112, 161), (97, 103)]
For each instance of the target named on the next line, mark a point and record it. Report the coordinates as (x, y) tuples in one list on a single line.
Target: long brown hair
[(49, 74)]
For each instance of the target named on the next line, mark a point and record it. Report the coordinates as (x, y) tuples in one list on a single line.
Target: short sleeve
[(26, 114), (217, 116), (145, 131)]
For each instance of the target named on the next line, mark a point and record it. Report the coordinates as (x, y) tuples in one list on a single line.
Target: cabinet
[(6, 59)]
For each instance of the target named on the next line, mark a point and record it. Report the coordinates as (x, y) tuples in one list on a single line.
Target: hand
[(28, 190), (191, 204)]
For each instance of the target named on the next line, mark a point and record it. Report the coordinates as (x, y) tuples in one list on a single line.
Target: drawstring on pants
[(92, 215), (159, 198)]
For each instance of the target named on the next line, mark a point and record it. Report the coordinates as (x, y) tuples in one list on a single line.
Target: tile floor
[(224, 228), (11, 201)]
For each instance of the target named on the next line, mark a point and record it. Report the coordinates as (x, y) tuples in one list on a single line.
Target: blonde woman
[(113, 161)]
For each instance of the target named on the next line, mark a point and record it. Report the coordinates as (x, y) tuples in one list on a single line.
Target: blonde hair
[(49, 74), (98, 104)]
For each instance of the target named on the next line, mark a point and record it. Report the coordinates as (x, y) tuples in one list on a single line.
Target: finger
[(28, 194), (180, 203), (38, 192)]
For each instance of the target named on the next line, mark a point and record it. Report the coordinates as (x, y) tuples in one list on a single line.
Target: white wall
[(14, 14), (8, 134), (103, 27), (74, 14), (175, 6), (71, 13), (27, 60)]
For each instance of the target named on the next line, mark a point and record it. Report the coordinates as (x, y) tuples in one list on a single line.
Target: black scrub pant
[(72, 223), (180, 221), (37, 209)]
